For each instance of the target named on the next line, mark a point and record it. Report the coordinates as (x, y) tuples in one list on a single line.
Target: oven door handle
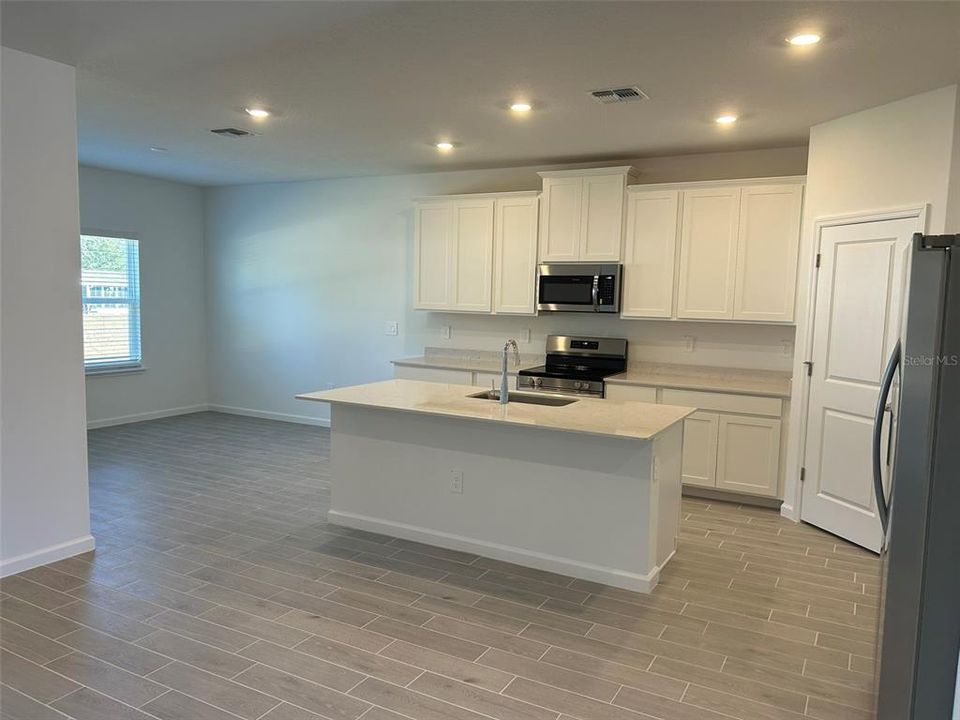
[(595, 293)]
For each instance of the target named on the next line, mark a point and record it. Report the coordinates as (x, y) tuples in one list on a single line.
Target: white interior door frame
[(792, 490)]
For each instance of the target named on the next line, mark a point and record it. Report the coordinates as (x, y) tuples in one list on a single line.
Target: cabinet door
[(708, 253), (560, 219), (472, 255), (601, 218), (432, 256), (748, 459), (515, 255), (767, 247), (700, 432), (650, 252)]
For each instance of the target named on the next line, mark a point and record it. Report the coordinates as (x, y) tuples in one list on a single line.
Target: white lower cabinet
[(748, 456), (732, 443), (700, 438)]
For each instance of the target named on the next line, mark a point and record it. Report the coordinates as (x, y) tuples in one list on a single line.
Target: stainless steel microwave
[(563, 287)]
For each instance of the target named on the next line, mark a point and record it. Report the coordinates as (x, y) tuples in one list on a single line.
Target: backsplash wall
[(760, 347)]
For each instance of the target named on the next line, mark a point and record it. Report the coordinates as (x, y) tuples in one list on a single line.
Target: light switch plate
[(445, 332), (525, 336), (392, 328), (689, 342)]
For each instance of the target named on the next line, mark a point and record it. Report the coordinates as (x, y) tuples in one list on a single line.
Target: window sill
[(114, 370)]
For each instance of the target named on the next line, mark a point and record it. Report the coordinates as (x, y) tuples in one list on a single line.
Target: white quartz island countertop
[(636, 420)]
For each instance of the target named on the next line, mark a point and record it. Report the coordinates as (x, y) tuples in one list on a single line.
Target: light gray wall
[(302, 277), (44, 513), (167, 218), (885, 158)]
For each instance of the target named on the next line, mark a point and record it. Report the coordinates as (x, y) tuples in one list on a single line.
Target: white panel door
[(601, 218), (649, 253), (708, 253), (857, 321), (769, 239), (472, 255), (700, 434), (515, 255), (748, 455), (560, 219), (432, 256)]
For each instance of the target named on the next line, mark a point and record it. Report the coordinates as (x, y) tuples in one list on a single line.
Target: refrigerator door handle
[(883, 510)]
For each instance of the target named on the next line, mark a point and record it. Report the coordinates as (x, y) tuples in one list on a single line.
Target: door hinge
[(809, 366), (818, 260), (803, 474)]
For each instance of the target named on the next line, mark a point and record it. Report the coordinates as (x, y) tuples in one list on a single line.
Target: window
[(110, 290)]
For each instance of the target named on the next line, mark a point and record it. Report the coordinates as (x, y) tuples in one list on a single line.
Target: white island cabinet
[(590, 489)]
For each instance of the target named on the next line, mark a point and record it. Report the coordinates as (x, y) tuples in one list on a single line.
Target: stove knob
[(581, 385), (537, 382)]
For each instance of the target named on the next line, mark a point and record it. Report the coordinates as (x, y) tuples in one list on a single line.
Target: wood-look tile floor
[(218, 591)]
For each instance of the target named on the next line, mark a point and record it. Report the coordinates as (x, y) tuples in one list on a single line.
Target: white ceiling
[(364, 88)]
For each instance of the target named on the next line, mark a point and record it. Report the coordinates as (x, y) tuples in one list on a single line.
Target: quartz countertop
[(686, 377), (608, 418), (715, 379)]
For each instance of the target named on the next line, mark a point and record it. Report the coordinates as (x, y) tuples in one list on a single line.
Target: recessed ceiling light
[(521, 107), (158, 149), (725, 119), (804, 39), (444, 146), (258, 112)]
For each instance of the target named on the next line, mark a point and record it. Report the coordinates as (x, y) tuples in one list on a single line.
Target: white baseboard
[(267, 415), (788, 512), (141, 417), (507, 553), (46, 555)]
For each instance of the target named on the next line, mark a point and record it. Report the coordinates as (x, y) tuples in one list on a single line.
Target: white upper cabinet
[(432, 255), (560, 224), (472, 255), (649, 253), (476, 253), (581, 215), (708, 253), (767, 252), (515, 255)]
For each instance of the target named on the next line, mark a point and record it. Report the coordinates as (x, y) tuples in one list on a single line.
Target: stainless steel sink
[(522, 397)]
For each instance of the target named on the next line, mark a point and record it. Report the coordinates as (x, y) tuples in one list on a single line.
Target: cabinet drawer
[(723, 402), (440, 375), (638, 393)]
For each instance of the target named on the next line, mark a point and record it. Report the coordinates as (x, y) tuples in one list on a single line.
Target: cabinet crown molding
[(477, 196), (625, 170), (693, 184)]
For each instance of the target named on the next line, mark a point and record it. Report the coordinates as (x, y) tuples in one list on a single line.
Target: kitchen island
[(589, 489)]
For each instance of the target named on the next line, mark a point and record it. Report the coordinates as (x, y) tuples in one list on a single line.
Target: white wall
[(302, 277), (889, 157), (167, 218), (44, 512)]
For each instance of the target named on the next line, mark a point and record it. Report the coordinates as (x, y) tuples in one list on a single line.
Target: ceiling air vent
[(232, 132), (609, 96)]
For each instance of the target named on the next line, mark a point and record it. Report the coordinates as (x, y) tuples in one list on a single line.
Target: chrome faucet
[(504, 383)]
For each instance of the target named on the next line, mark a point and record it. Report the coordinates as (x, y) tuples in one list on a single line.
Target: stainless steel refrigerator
[(919, 635)]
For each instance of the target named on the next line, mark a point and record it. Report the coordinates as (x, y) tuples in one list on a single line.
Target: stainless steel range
[(576, 365)]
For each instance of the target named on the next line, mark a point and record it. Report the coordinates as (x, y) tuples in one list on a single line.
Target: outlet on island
[(456, 481)]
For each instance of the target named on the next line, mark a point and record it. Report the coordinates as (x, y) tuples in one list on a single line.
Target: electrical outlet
[(456, 481), (786, 348), (525, 336), (689, 342), (391, 328), (445, 332)]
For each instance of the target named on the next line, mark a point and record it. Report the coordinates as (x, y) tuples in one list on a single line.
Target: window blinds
[(110, 291)]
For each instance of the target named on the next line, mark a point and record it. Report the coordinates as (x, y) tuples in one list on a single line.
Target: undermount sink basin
[(521, 397)]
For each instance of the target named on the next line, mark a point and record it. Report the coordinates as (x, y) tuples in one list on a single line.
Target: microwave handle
[(595, 293)]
